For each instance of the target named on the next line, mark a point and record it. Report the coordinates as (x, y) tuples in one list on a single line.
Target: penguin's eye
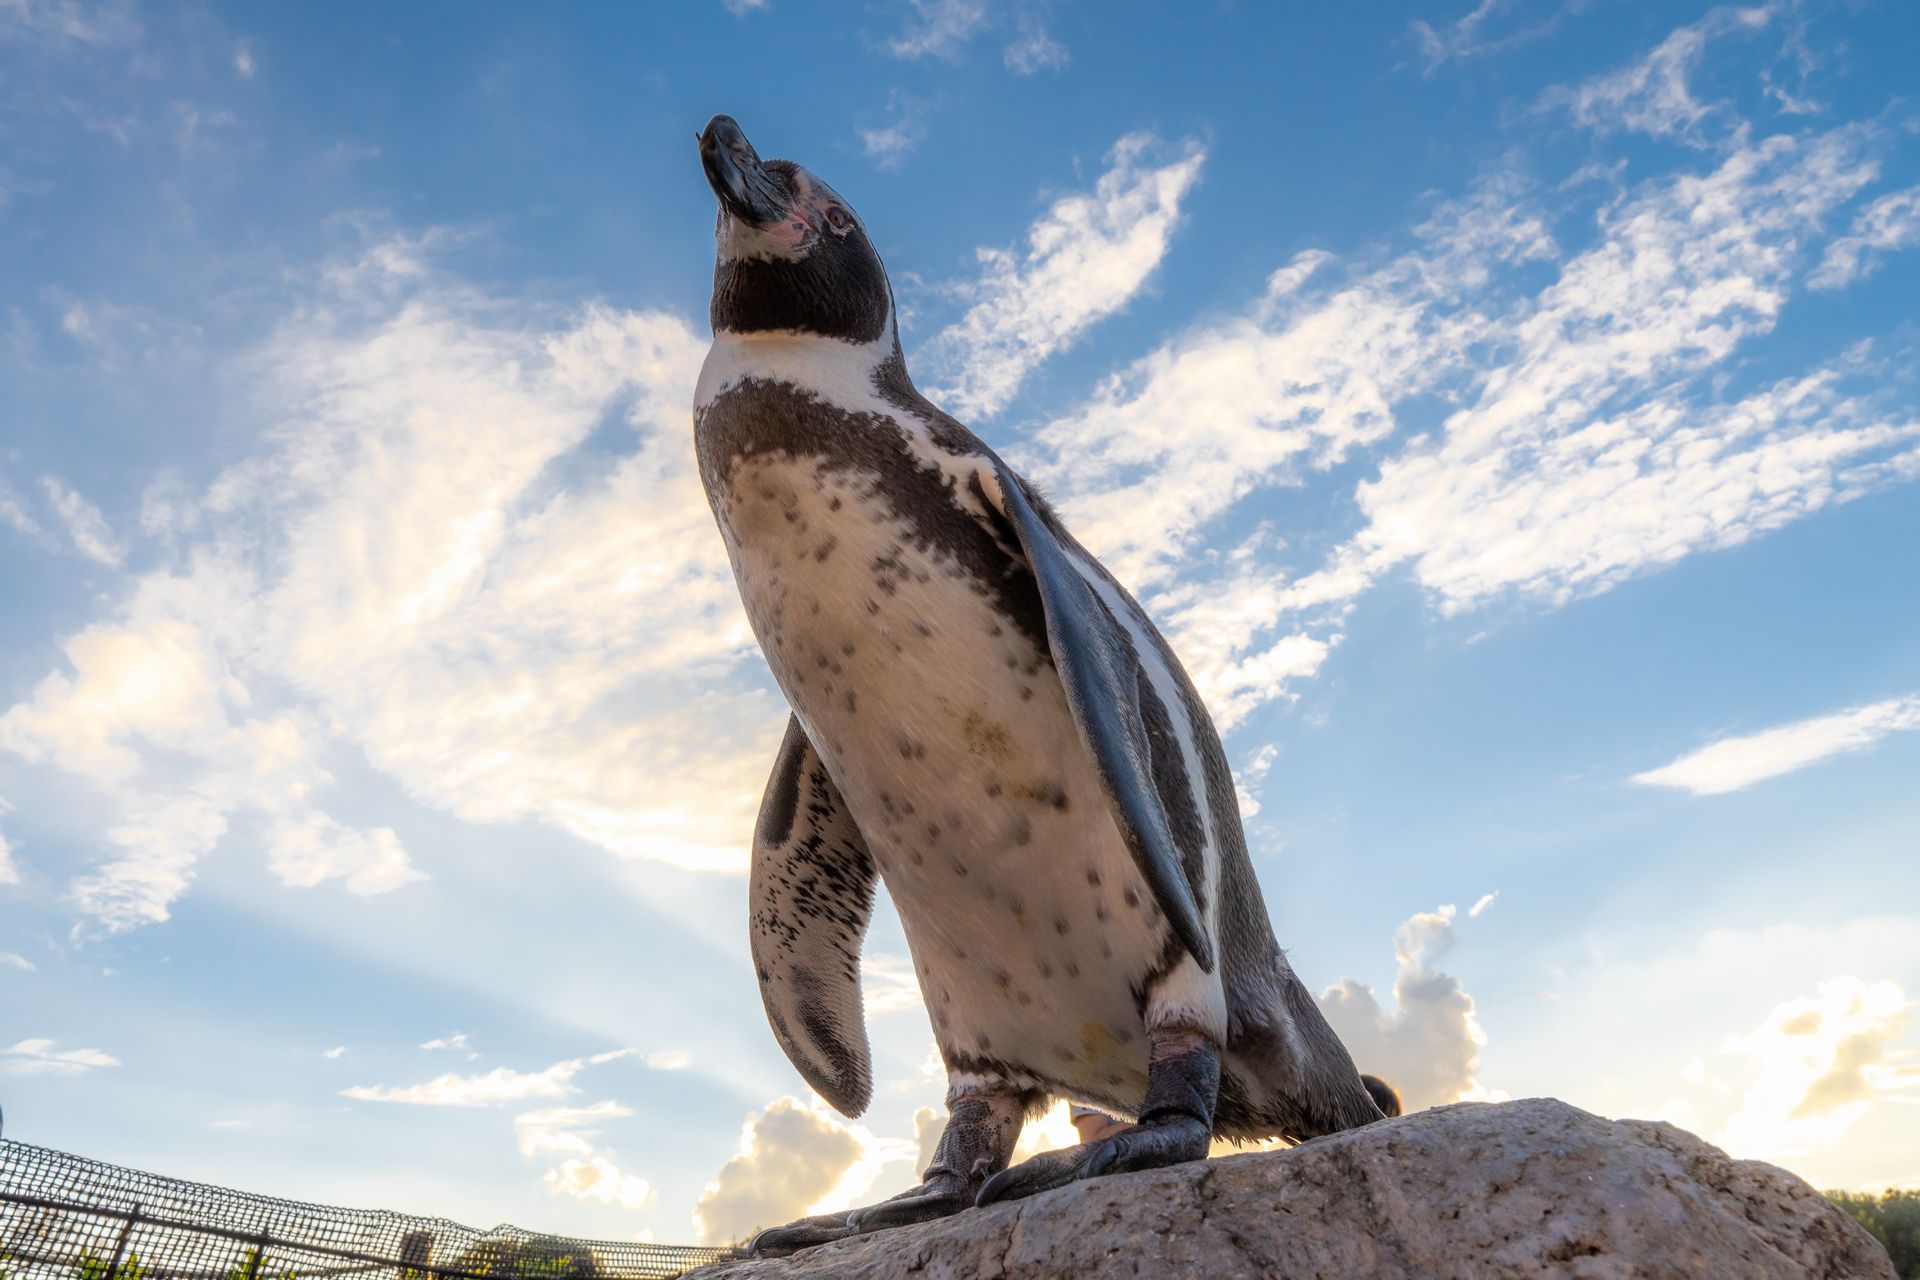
[(839, 220)]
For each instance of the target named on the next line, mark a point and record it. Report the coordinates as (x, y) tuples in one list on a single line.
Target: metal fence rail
[(66, 1218)]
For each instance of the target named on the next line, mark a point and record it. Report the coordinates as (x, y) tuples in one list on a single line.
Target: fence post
[(120, 1245), (259, 1254), (416, 1254)]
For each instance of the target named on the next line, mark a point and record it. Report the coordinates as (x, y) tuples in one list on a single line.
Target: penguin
[(984, 718)]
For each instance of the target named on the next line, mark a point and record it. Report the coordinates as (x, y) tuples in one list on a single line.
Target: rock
[(1481, 1191)]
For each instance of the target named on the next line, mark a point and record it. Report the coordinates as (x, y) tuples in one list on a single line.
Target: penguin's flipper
[(1112, 702), (810, 896)]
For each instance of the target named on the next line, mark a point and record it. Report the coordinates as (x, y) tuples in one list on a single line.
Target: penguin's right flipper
[(1107, 692), (810, 896)]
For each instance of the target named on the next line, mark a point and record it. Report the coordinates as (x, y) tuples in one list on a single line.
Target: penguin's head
[(790, 253)]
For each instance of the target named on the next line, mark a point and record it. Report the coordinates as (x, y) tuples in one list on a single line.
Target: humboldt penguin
[(985, 719)]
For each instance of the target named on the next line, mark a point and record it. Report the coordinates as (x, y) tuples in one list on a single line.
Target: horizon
[(1511, 418)]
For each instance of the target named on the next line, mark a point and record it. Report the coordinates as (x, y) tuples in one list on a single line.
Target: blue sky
[(1509, 410)]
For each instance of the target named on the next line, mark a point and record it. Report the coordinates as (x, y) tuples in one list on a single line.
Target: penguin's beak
[(744, 187)]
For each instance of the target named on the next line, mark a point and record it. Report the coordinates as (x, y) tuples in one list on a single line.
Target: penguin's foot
[(980, 1133), (1176, 1125), (1152, 1144), (938, 1197)]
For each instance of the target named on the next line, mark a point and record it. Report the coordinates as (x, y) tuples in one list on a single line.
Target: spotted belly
[(947, 732)]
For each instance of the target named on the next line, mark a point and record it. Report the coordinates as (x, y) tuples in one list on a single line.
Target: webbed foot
[(1153, 1144), (938, 1197), (980, 1133), (1176, 1125)]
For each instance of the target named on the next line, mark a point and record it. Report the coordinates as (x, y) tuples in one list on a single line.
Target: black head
[(790, 253)]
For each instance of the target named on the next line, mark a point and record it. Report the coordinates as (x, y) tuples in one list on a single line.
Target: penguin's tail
[(1384, 1095)]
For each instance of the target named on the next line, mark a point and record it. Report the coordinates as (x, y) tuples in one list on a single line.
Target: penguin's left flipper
[(810, 895), (1114, 703)]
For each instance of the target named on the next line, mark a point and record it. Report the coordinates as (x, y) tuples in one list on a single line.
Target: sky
[(1509, 411)]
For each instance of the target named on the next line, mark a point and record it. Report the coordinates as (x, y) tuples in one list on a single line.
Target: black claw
[(1155, 1144)]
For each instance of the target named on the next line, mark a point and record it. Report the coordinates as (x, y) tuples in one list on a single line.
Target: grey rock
[(1473, 1191)]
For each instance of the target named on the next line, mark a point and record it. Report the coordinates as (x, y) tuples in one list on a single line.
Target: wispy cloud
[(1733, 764), (14, 960), (456, 1042), (84, 523), (1653, 95), (502, 1084), (9, 874), (541, 633), (1083, 260), (1892, 222), (243, 64), (336, 1053), (890, 144), (1595, 437), (940, 28), (42, 1058)]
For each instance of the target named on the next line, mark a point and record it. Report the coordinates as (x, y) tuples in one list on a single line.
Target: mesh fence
[(65, 1218)]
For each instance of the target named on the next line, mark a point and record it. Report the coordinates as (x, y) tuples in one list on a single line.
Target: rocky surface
[(1474, 1191)]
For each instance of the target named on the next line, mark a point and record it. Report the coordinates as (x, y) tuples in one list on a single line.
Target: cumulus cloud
[(471, 548), (795, 1158), (1733, 764), (589, 1172), (1084, 258), (502, 1084), (1428, 1046), (599, 1179), (1892, 222), (42, 1058), (1822, 1060)]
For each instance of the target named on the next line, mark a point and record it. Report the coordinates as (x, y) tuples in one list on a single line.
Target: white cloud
[(13, 510), (243, 64), (457, 1042), (1486, 901), (84, 524), (64, 21), (741, 8), (40, 1057), (1652, 95), (597, 1178), (1428, 1047), (336, 1053), (940, 28), (668, 1059), (1033, 48), (1250, 776), (795, 1158), (472, 549), (1892, 222), (13, 960), (1732, 764), (564, 1130), (1084, 258), (502, 1084), (1823, 1061), (888, 984), (9, 874), (889, 145)]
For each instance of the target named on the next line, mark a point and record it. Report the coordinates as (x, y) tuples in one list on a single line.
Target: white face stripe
[(833, 369), (788, 240)]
